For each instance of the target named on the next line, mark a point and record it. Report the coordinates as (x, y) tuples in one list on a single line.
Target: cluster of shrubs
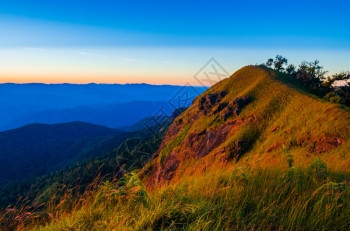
[(334, 88)]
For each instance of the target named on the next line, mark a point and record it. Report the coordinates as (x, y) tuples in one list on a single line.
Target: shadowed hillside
[(112, 157), (38, 149)]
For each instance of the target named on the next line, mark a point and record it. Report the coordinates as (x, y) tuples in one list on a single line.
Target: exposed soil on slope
[(219, 128)]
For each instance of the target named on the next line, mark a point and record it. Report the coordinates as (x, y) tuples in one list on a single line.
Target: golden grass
[(284, 116), (279, 184), (230, 199)]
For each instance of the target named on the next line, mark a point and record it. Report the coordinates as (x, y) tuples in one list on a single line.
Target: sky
[(163, 42)]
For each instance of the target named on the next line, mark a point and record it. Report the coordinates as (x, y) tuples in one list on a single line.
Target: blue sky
[(133, 41)]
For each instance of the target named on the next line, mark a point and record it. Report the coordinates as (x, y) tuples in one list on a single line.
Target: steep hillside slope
[(38, 149), (254, 118)]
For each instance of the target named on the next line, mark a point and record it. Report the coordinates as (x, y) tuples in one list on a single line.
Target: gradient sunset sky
[(163, 42)]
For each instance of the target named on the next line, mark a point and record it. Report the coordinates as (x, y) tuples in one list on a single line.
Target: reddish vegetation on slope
[(250, 115)]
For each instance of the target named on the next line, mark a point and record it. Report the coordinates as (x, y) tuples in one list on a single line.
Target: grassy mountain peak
[(253, 117)]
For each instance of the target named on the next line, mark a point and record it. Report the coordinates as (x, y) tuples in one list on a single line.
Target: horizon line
[(95, 83)]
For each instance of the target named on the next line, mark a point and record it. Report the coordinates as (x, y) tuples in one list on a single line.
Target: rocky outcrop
[(199, 144), (203, 142), (234, 108), (227, 112), (325, 143), (319, 144), (161, 173), (212, 103), (207, 102)]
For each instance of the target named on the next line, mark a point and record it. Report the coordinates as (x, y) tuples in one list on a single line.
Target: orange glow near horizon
[(156, 79), (152, 65), (83, 65)]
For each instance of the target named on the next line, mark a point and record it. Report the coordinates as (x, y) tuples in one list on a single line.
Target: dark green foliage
[(312, 76), (38, 149), (269, 62), (127, 152), (291, 69), (289, 157), (309, 72), (338, 94), (279, 62), (318, 170), (335, 97)]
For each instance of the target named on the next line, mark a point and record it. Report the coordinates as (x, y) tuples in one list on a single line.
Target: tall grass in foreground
[(297, 199)]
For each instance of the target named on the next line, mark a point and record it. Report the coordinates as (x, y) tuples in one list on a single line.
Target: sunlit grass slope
[(279, 117), (219, 200), (282, 163)]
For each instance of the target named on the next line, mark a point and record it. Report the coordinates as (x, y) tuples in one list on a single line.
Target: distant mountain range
[(110, 115), (112, 105)]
